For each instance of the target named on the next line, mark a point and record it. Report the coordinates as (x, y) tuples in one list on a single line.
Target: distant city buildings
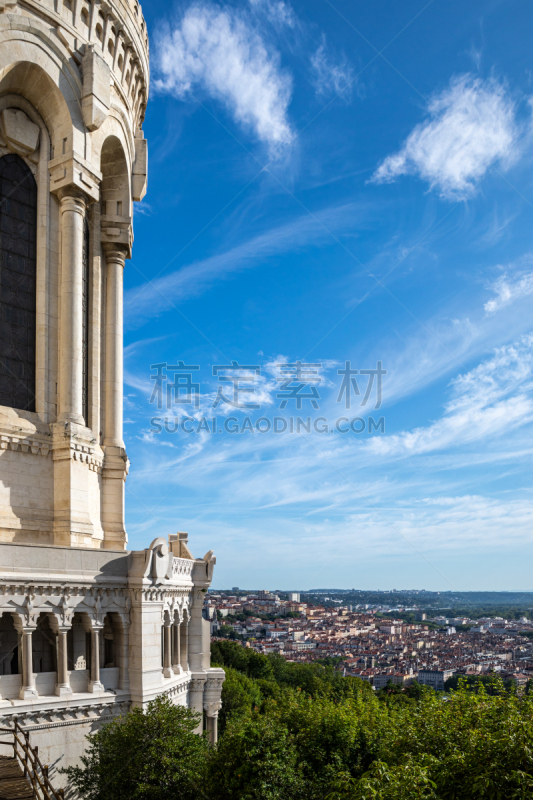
[(370, 646), (434, 678)]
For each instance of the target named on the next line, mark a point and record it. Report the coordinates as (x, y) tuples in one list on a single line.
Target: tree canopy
[(304, 732)]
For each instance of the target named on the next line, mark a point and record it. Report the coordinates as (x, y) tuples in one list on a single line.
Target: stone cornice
[(95, 710), (29, 599)]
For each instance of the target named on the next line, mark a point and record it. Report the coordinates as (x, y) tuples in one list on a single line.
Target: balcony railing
[(33, 770)]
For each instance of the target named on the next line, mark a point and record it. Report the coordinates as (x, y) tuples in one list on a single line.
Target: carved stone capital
[(212, 709), (116, 233), (72, 175), (115, 253)]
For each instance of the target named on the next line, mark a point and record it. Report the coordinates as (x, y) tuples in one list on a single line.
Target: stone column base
[(96, 687), (28, 693), (63, 691)]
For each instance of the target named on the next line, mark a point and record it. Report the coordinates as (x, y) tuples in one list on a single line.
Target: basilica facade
[(87, 628)]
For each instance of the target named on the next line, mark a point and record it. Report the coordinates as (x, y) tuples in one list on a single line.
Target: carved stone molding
[(27, 601), (25, 445), (41, 719), (182, 567), (197, 684), (179, 690)]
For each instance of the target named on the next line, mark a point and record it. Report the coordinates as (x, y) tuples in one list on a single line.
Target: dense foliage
[(153, 754), (303, 732)]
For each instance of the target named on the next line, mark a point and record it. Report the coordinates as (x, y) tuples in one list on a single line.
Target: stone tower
[(87, 628), (73, 89)]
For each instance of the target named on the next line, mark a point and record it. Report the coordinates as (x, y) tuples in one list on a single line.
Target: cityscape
[(374, 642)]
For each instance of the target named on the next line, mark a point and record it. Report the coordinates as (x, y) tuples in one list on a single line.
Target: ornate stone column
[(63, 688), (196, 633), (95, 684), (196, 698), (72, 520), (212, 701), (211, 724), (115, 460), (184, 640), (63, 685), (123, 659), (27, 690), (115, 258), (168, 672), (70, 379), (176, 650)]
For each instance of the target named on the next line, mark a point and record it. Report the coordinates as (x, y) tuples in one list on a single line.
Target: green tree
[(146, 755), (256, 759), (240, 695)]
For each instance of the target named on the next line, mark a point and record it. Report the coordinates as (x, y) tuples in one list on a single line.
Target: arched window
[(18, 271)]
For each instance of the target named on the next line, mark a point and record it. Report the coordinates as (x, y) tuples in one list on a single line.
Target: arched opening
[(115, 183), (85, 17), (10, 656), (18, 276), (108, 650), (51, 101), (99, 32), (44, 646)]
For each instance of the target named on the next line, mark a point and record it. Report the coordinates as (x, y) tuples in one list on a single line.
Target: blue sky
[(331, 183)]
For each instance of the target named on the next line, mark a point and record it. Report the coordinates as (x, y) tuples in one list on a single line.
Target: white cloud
[(279, 13), (471, 125), (218, 51), (330, 76), (494, 397), (508, 289)]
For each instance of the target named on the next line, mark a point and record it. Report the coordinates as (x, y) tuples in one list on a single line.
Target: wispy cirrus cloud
[(494, 397), (511, 287), (470, 126), (279, 13), (154, 297), (219, 52), (331, 76)]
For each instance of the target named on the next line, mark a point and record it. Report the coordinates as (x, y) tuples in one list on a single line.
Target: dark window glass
[(18, 269)]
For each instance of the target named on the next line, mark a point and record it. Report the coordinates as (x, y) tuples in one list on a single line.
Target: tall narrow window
[(85, 389), (18, 272)]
